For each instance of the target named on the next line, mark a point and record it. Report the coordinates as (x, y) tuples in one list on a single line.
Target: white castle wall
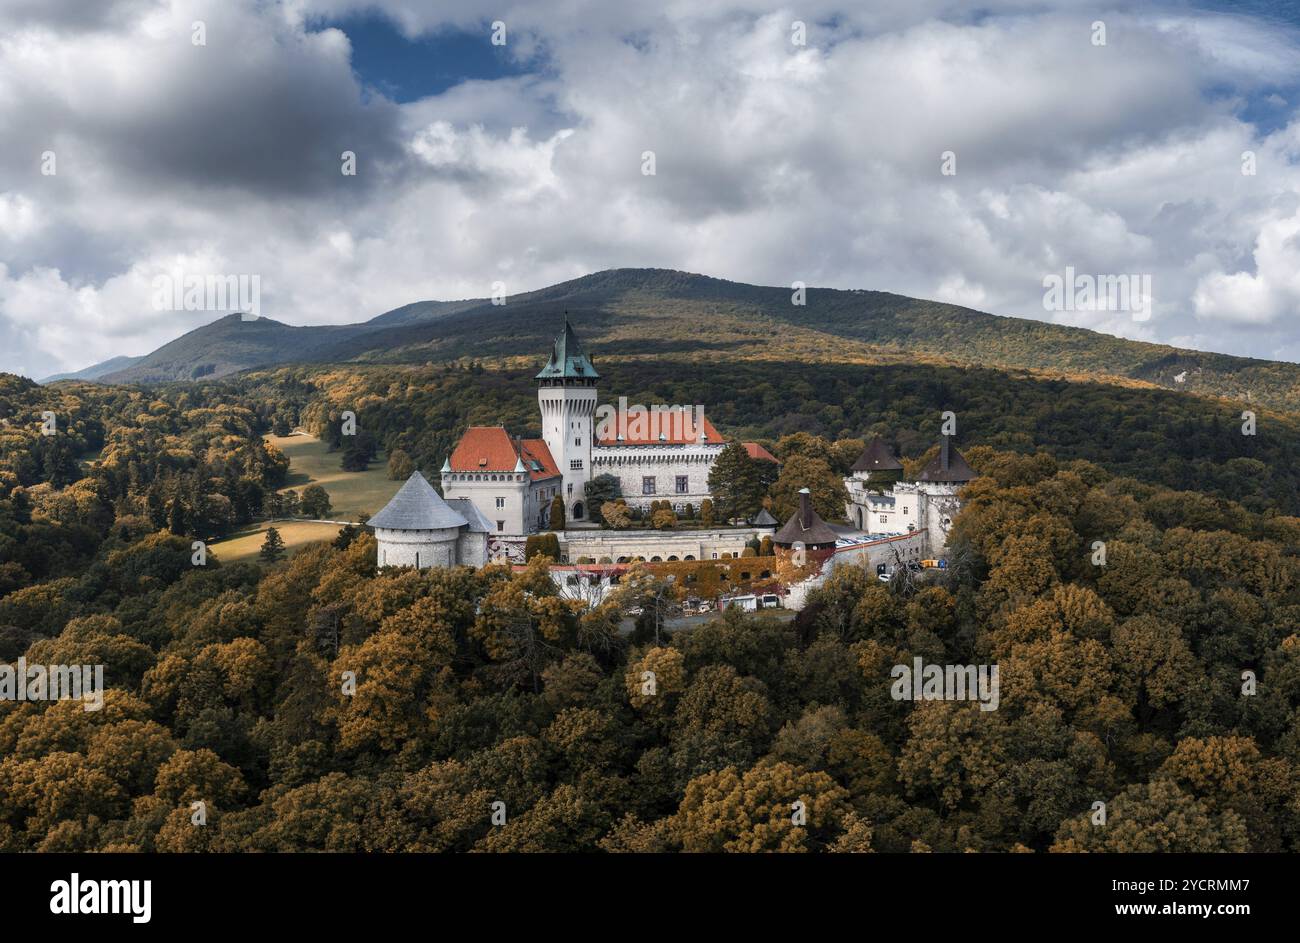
[(472, 548), (526, 503), (631, 463), (418, 548), (891, 551), (695, 544)]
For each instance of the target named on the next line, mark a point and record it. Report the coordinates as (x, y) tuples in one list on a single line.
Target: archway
[(859, 513), (577, 511)]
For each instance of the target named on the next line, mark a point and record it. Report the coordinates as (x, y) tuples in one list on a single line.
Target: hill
[(95, 371), (656, 312)]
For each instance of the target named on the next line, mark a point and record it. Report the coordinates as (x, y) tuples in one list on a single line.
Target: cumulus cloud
[(774, 162)]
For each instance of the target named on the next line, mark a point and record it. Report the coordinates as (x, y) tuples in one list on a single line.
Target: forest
[(1128, 558)]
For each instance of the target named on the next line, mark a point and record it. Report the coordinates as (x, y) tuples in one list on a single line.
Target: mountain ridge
[(668, 312)]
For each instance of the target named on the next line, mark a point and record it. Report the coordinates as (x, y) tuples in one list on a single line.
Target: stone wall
[(679, 545), (418, 548), (630, 464)]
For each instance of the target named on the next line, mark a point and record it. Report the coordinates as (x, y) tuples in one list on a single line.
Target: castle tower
[(937, 487), (566, 396)]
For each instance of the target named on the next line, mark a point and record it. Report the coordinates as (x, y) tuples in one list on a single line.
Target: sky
[(951, 151)]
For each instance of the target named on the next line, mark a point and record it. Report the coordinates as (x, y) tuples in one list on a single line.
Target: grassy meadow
[(310, 463)]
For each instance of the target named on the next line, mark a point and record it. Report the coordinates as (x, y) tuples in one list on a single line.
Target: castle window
[(501, 525), (575, 464), (501, 502), (884, 519), (906, 509), (578, 441), (648, 485), (683, 484)]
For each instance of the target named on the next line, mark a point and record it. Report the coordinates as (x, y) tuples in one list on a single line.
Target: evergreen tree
[(734, 483), (600, 491), (273, 546), (557, 513), (176, 517)]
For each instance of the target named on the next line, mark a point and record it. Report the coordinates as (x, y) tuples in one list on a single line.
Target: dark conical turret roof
[(567, 359), (806, 527), (877, 456), (948, 465), (416, 506)]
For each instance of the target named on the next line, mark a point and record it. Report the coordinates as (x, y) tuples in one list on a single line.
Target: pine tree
[(273, 546), (176, 518), (557, 513), (734, 482)]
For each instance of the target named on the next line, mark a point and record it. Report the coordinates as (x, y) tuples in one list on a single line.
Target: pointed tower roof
[(567, 358), (806, 527), (877, 456), (948, 465), (416, 506), (764, 518)]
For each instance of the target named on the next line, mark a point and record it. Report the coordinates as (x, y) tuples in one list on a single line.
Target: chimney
[(943, 452), (805, 508)]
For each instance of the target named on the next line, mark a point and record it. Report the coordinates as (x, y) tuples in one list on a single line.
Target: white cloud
[(774, 162)]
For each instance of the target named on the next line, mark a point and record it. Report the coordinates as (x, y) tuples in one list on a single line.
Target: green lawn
[(350, 492), (243, 548), (310, 463)]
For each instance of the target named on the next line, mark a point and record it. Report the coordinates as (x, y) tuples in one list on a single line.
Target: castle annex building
[(881, 503)]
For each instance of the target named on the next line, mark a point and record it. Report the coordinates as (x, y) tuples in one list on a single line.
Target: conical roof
[(567, 359), (764, 518), (877, 456), (416, 506), (948, 465), (806, 527)]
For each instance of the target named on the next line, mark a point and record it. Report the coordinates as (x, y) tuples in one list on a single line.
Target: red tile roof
[(756, 451), (490, 449), (674, 430), (536, 450)]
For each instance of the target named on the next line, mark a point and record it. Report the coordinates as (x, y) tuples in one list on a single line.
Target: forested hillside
[(1158, 436), (646, 313), (1119, 683)]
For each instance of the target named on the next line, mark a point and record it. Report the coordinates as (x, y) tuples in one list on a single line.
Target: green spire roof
[(567, 359)]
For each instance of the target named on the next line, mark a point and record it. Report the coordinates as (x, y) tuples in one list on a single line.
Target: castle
[(658, 455), (499, 488)]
